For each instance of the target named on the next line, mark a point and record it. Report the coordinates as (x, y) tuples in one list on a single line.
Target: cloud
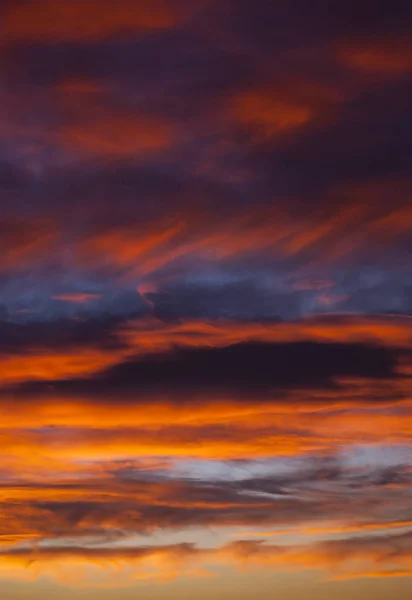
[(390, 56), (104, 502), (80, 298), (161, 562), (117, 135), (246, 369), (39, 351), (218, 355), (25, 243), (31, 20), (205, 289)]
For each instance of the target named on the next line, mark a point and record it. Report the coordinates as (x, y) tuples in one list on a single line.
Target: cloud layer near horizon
[(249, 429)]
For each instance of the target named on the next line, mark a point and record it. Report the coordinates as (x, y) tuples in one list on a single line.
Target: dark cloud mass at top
[(200, 145)]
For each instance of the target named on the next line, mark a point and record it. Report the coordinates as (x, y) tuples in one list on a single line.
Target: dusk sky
[(205, 299)]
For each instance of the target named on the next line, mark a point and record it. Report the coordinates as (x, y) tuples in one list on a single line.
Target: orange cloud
[(147, 336), (77, 298), (49, 364), (70, 461), (357, 527), (344, 559), (96, 431)]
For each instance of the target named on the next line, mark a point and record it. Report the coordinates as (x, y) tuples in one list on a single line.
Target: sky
[(205, 299)]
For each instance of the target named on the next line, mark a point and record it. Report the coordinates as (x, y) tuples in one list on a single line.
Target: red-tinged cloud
[(95, 123), (279, 107), (25, 243), (155, 336), (117, 135), (87, 20), (77, 298), (386, 56), (270, 114), (176, 244), (320, 240)]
